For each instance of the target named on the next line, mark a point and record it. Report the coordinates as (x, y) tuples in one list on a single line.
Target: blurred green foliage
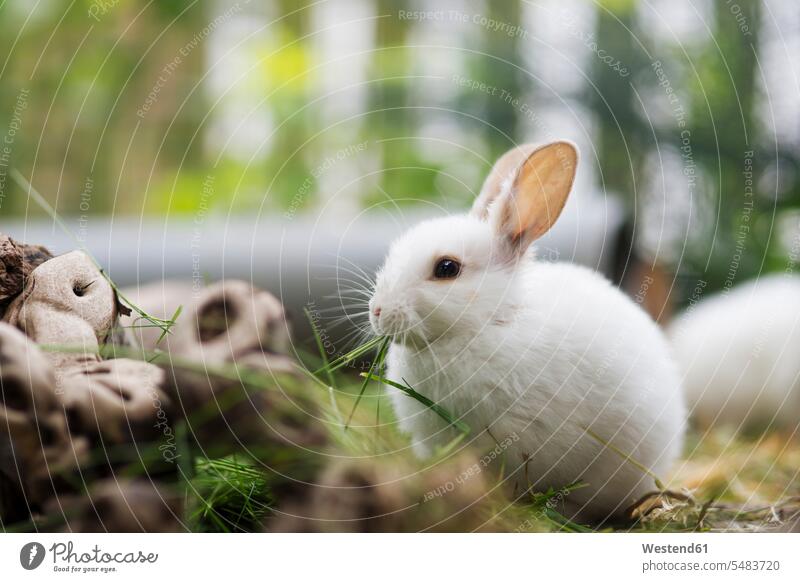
[(86, 70)]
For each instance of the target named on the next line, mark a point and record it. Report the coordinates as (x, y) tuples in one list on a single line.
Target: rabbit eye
[(446, 269)]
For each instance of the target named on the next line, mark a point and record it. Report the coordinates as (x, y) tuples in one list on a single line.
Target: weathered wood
[(17, 260)]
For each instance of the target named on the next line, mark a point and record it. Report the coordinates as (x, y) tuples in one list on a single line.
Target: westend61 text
[(674, 549)]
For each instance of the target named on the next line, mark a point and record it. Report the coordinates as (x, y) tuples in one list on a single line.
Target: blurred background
[(271, 140)]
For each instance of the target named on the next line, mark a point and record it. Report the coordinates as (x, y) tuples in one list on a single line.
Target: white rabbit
[(740, 353), (528, 353)]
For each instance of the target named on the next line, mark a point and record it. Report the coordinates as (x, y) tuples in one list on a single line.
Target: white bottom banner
[(354, 557)]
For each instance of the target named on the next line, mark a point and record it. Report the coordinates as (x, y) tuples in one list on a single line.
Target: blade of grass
[(186, 462), (564, 523), (377, 420), (376, 364), (446, 415), (448, 448), (627, 457), (543, 506), (352, 355), (171, 322), (703, 512), (322, 353), (502, 456)]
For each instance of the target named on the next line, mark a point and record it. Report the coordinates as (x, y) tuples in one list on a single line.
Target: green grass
[(228, 495)]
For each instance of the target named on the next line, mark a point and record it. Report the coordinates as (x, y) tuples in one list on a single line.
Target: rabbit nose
[(376, 312)]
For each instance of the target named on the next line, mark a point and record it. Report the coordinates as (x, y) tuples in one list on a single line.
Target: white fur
[(740, 353), (535, 353)]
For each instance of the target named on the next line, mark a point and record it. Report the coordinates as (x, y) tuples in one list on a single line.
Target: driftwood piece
[(39, 449), (228, 322), (235, 339), (17, 260), (118, 400), (66, 302), (51, 419), (233, 322)]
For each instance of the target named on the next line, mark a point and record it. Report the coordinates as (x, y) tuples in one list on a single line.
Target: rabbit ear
[(502, 172), (538, 191)]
